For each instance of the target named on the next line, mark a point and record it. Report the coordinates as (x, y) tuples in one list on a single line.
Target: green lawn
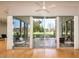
[(42, 33)]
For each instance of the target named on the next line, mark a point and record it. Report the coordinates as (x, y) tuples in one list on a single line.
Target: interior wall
[(76, 32), (10, 43), (3, 20), (3, 28)]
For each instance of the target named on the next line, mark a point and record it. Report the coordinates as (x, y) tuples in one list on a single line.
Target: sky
[(16, 23)]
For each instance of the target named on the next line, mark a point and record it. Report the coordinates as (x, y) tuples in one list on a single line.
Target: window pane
[(16, 26)]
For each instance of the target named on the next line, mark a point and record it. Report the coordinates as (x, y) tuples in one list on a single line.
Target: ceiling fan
[(44, 7)]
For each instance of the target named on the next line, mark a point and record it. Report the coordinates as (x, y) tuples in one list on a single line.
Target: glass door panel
[(67, 34), (50, 32), (38, 32), (21, 26), (44, 32)]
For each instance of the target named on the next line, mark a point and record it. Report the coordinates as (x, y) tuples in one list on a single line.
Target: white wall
[(3, 20), (10, 32), (31, 32), (3, 28), (76, 32)]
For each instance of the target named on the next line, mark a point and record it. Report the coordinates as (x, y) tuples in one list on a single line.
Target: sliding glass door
[(44, 32), (67, 34), (38, 32), (21, 27), (50, 31)]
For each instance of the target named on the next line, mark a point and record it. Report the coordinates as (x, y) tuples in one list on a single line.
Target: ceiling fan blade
[(38, 10), (46, 10), (43, 7), (37, 3), (52, 6)]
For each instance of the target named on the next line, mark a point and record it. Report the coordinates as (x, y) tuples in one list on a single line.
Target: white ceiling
[(61, 3), (31, 6)]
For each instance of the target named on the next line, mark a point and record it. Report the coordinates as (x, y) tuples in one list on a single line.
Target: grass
[(42, 33)]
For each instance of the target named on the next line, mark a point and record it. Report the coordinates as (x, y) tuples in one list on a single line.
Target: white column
[(31, 32), (76, 32), (9, 32), (58, 30)]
